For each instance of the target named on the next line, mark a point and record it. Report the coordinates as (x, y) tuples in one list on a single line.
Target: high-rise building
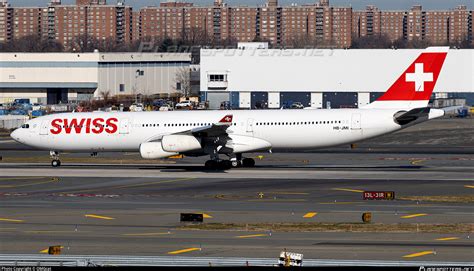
[(6, 21), (293, 25)]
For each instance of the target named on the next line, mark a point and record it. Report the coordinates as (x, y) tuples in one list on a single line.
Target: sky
[(356, 4)]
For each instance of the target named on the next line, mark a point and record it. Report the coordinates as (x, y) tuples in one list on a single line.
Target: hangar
[(252, 76), (51, 78)]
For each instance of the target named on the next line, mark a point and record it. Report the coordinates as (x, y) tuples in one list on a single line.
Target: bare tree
[(84, 43), (183, 81), (31, 43)]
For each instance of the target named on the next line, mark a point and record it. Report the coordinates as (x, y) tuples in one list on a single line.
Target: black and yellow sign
[(54, 250), (367, 217)]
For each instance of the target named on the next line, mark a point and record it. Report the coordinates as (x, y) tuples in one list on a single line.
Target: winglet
[(227, 120)]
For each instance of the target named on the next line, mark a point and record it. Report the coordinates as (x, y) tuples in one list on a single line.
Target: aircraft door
[(250, 126), (356, 122), (124, 126), (44, 128)]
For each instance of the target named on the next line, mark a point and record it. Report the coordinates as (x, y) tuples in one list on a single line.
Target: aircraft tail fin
[(414, 87)]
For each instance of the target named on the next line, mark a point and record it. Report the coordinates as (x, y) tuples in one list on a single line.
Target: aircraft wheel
[(210, 164), (55, 163), (248, 162), (225, 164), (236, 163)]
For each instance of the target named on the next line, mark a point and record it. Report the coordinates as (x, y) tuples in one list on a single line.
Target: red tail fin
[(415, 86), (226, 120)]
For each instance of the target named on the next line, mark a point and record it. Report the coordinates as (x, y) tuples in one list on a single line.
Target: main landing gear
[(216, 164), (55, 162)]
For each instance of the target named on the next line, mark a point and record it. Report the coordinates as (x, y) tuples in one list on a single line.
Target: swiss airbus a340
[(231, 134)]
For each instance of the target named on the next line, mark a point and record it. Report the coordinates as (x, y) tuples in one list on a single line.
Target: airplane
[(233, 133)]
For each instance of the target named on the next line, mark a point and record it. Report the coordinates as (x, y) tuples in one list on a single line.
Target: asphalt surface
[(129, 207)]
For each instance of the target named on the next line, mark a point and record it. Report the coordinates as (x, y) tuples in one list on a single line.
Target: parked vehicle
[(297, 105), (225, 105), (137, 107), (184, 105), (166, 107)]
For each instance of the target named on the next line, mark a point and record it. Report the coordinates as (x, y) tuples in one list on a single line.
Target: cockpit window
[(25, 126)]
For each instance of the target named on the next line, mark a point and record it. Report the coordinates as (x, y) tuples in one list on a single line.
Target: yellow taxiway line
[(418, 254), (206, 215), (447, 239), (99, 217), (251, 236), (469, 186), (183, 250), (348, 190), (413, 215), (11, 220), (309, 215)]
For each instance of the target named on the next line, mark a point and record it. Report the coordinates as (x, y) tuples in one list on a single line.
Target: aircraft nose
[(16, 135)]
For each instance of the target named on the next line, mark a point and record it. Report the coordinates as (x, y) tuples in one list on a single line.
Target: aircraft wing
[(213, 130), (218, 129)]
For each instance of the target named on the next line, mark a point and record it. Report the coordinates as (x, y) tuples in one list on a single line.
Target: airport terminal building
[(253, 76), (52, 78)]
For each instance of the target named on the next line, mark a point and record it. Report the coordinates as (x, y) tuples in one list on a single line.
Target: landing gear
[(55, 156), (218, 165), (248, 162), (56, 163)]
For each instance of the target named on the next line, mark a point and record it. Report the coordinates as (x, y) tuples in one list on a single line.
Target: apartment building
[(435, 27), (315, 23)]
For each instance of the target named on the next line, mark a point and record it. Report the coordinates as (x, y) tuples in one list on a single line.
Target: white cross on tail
[(419, 77)]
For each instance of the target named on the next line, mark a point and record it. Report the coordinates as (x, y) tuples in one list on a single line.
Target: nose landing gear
[(55, 156)]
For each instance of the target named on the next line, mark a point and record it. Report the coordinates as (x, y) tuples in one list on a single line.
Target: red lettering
[(74, 124), (98, 126), (112, 125), (56, 123), (88, 126)]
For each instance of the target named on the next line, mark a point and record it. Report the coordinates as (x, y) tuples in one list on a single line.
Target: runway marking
[(447, 239), (11, 220), (99, 217), (183, 250), (310, 215), (29, 184), (469, 186), (418, 254), (206, 215), (251, 236), (413, 215), (147, 234), (416, 162), (46, 250), (348, 190)]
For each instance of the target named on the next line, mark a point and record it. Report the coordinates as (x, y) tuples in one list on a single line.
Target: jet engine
[(180, 143), (154, 150), (241, 144)]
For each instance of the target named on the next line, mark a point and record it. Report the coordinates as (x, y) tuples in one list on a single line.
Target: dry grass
[(454, 199), (335, 227)]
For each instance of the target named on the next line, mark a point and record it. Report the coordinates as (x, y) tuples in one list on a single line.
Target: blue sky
[(356, 4)]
